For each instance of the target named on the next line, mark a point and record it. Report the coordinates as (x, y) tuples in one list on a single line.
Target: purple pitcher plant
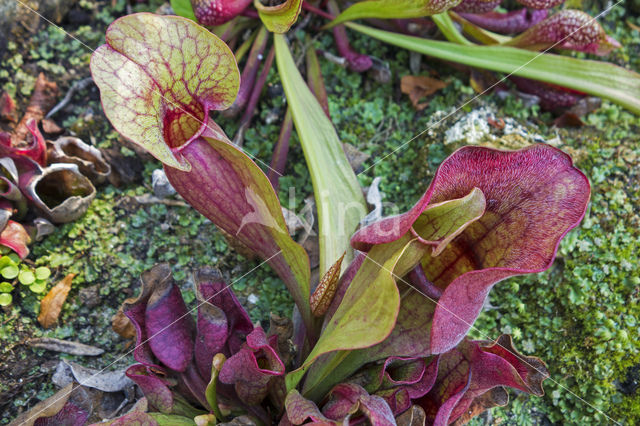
[(381, 340)]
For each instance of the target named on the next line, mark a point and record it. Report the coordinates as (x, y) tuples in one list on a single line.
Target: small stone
[(253, 299), (90, 296), (161, 186)]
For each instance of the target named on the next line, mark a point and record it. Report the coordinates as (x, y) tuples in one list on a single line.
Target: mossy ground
[(582, 316)]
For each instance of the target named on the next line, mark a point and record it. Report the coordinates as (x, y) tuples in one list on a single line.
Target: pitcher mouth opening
[(181, 124)]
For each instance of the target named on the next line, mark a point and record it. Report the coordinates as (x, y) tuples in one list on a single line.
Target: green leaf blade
[(596, 78), (338, 195)]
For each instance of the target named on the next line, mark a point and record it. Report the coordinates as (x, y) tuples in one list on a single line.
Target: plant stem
[(256, 91), (249, 73), (279, 157)]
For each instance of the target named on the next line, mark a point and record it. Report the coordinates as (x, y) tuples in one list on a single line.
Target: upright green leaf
[(338, 195), (449, 30), (394, 9), (183, 8), (597, 78), (368, 311)]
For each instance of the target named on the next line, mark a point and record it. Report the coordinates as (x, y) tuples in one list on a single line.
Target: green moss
[(581, 316)]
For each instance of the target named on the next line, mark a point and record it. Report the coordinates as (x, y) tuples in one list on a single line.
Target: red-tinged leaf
[(567, 29), (534, 197), (134, 309), (369, 308), (149, 83), (472, 369), (540, 4), (410, 338), (153, 93), (70, 415), (299, 409), (245, 206), (169, 325), (552, 98), (37, 150), (279, 18), (492, 398), (397, 371), (530, 369), (16, 238), (434, 227), (347, 399), (513, 22), (155, 389), (251, 369), (212, 288), (164, 329), (326, 290), (477, 6), (222, 322), (397, 399)]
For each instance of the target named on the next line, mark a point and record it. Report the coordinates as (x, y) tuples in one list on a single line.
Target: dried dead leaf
[(122, 325), (43, 99), (51, 304), (51, 127), (47, 408), (418, 87), (414, 416), (8, 110), (326, 290), (64, 346)]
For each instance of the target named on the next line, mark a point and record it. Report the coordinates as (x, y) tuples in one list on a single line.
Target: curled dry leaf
[(60, 192), (122, 325), (418, 87), (88, 159), (51, 304), (42, 100), (8, 108)]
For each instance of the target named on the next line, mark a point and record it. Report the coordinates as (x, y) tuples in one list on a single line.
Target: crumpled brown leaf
[(51, 304), (8, 110), (418, 87), (47, 408), (43, 99), (122, 325)]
